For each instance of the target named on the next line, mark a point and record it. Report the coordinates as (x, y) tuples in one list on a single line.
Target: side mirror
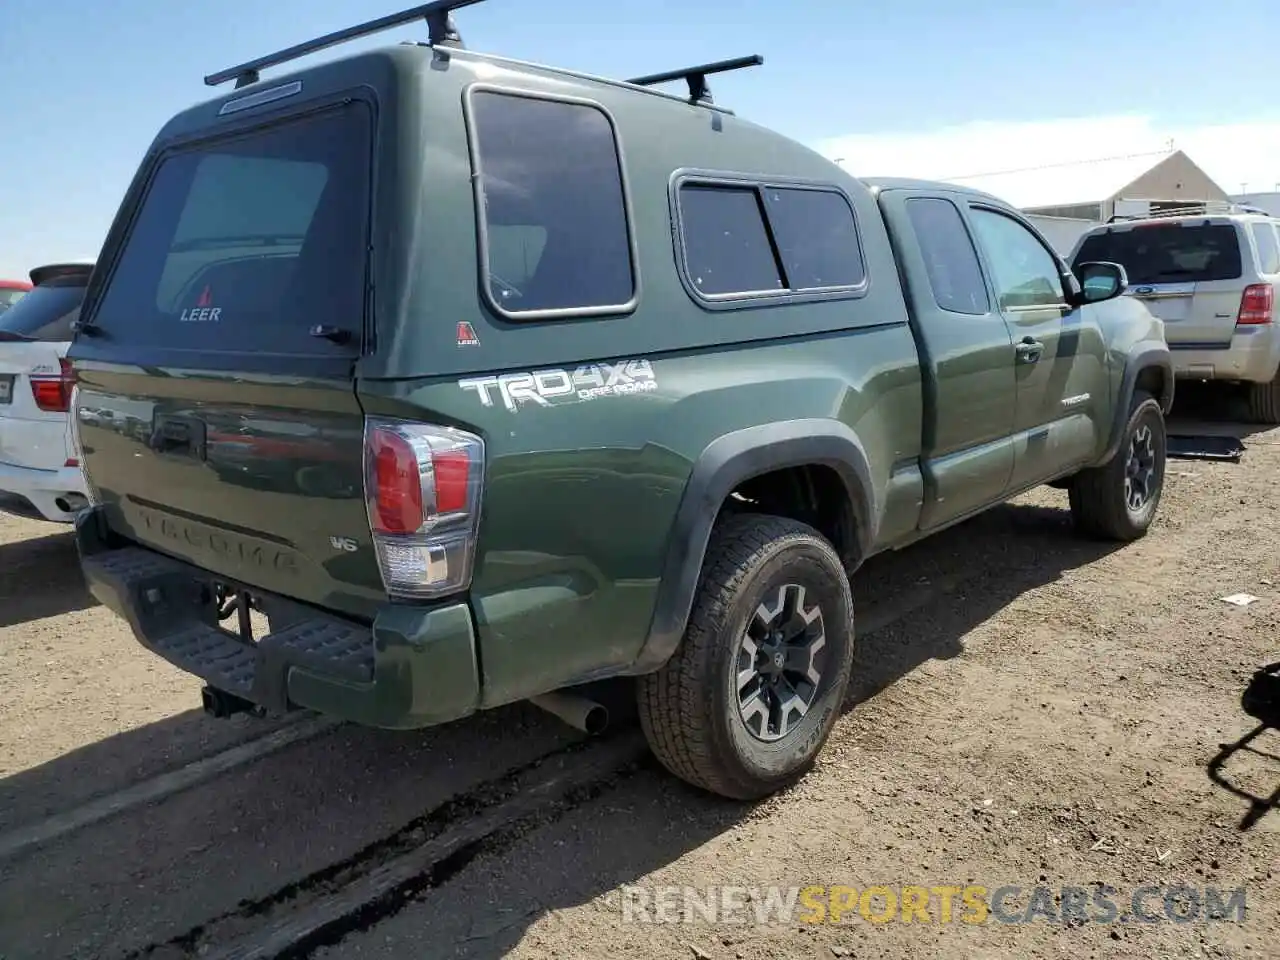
[(1100, 281)]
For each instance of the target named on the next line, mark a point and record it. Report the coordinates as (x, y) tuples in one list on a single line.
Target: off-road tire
[(1098, 495), (1264, 401), (690, 709)]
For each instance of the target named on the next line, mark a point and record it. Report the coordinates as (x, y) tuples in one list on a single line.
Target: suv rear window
[(9, 296), (1169, 253), (45, 313), (244, 244)]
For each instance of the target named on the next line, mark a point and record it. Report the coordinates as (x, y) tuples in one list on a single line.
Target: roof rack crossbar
[(438, 16), (696, 77)]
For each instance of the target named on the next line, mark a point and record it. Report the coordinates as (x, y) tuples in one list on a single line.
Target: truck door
[(1059, 354), (966, 353)]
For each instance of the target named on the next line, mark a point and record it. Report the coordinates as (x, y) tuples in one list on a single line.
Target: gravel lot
[(1030, 710)]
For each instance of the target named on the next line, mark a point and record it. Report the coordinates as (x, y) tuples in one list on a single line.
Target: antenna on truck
[(699, 92), (439, 17)]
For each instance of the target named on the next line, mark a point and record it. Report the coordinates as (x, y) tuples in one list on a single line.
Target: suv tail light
[(52, 391), (423, 491), (1256, 304)]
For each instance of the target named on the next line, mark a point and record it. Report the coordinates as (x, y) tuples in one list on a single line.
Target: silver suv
[(1212, 278)]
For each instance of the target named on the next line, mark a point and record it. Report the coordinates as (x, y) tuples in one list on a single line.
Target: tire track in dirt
[(379, 880)]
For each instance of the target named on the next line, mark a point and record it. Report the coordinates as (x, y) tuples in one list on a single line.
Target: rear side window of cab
[(555, 225), (749, 243)]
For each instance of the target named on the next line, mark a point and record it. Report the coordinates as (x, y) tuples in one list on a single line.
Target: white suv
[(1212, 279), (40, 476)]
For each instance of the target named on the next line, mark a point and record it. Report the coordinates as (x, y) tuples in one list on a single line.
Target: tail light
[(1256, 304), (52, 391), (423, 490)]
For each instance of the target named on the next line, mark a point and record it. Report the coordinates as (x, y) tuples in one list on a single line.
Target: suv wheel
[(1118, 500), (746, 703), (1264, 401)]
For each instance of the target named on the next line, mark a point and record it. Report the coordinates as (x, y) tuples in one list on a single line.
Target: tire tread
[(674, 712), (1264, 401), (1095, 506)]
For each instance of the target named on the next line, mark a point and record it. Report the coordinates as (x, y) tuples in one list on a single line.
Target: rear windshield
[(45, 314), (9, 296), (1169, 253), (246, 244)]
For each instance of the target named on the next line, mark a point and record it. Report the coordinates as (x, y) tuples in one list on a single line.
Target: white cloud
[(1243, 152)]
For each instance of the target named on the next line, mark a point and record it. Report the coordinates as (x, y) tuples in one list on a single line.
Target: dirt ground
[(1030, 710)]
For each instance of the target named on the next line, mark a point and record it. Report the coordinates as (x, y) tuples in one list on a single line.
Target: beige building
[(1100, 189)]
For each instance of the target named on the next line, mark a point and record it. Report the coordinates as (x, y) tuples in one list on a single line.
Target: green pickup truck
[(479, 381)]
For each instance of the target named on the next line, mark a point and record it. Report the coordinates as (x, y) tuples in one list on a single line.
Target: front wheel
[(1118, 500), (747, 701)]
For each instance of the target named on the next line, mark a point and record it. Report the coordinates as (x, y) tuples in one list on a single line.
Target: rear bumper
[(1252, 355), (28, 492), (413, 667)]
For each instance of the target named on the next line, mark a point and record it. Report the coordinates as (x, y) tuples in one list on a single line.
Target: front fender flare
[(1142, 358), (724, 464)]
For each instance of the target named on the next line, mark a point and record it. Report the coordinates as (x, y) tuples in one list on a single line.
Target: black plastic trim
[(722, 466), (1152, 357)]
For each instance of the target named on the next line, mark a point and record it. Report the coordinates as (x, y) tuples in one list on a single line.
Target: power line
[(1054, 166)]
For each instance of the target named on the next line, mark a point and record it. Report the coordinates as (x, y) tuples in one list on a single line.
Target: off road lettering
[(545, 388)]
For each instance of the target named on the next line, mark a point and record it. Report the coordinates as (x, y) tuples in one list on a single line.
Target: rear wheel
[(1264, 401), (747, 701), (1118, 500)]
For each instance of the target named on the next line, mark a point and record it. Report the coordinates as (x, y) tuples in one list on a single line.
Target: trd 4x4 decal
[(546, 388)]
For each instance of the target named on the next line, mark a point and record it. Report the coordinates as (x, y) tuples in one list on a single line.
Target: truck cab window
[(1026, 274), (949, 258)]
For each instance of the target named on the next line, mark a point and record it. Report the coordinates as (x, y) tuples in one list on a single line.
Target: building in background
[(1097, 190), (1066, 199)]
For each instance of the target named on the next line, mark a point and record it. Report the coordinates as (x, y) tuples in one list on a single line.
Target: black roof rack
[(439, 23), (699, 92)]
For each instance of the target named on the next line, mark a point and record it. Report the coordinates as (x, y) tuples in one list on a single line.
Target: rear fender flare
[(726, 463), (1143, 358)]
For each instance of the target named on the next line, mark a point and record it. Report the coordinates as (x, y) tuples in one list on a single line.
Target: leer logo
[(467, 335), (204, 311)]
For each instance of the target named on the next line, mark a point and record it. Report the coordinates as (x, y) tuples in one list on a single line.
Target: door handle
[(178, 435), (1029, 350)]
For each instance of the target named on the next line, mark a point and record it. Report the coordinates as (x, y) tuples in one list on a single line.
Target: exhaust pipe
[(577, 711), (71, 503), (220, 704)]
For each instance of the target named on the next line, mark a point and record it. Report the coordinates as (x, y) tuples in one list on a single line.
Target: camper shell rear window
[(247, 243)]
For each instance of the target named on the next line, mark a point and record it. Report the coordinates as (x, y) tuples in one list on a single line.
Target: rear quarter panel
[(580, 494)]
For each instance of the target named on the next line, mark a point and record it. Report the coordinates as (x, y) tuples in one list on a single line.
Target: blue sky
[(87, 84)]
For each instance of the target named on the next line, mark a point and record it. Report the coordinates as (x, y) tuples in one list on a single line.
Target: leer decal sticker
[(203, 312)]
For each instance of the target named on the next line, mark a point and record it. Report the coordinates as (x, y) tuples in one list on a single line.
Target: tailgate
[(1198, 315), (1188, 273), (216, 406)]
